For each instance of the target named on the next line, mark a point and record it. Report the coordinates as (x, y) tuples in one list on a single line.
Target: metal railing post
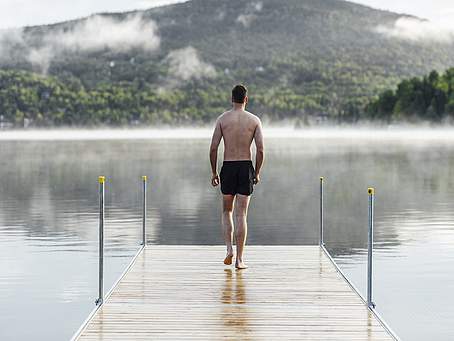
[(144, 210), (100, 298), (370, 247), (321, 241)]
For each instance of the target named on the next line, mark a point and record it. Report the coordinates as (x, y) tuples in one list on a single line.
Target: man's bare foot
[(240, 265), (228, 259)]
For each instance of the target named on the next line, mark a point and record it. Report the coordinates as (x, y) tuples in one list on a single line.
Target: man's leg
[(242, 204), (227, 225)]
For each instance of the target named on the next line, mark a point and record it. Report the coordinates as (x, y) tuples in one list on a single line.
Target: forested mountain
[(176, 64)]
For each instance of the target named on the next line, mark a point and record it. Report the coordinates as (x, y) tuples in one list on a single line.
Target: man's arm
[(216, 139), (260, 155)]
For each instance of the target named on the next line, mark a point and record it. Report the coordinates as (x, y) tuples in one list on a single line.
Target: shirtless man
[(238, 128)]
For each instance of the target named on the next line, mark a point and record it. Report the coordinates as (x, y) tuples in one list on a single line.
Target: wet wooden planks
[(185, 292)]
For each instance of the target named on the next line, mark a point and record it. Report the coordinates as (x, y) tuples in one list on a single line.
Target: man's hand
[(215, 179), (256, 179)]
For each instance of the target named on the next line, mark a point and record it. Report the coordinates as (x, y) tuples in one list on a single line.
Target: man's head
[(239, 94)]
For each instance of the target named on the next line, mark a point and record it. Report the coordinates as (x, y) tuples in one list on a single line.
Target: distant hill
[(300, 58)]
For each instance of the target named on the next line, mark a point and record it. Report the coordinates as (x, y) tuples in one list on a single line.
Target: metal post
[(100, 298), (370, 248), (144, 210), (321, 241)]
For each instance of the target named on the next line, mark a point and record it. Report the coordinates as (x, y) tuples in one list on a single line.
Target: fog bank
[(403, 134)]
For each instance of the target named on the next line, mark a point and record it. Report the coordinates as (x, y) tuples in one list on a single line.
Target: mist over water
[(398, 134), (49, 196)]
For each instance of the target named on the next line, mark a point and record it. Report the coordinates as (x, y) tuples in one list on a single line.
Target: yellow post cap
[(101, 179), (144, 178), (321, 178), (371, 190)]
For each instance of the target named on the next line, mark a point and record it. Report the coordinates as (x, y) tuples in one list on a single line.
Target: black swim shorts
[(237, 177)]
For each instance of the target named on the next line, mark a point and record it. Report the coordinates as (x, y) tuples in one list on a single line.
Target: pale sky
[(16, 13)]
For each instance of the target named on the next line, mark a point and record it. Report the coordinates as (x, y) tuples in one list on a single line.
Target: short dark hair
[(239, 93)]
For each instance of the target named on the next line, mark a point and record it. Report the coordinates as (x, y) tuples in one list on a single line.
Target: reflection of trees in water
[(50, 188)]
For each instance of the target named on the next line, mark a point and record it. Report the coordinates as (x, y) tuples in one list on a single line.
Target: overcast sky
[(14, 13)]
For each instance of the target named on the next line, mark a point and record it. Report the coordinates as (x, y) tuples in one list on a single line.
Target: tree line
[(428, 98), (27, 98), (30, 99)]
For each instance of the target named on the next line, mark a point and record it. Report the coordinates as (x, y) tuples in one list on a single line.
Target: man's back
[(238, 128)]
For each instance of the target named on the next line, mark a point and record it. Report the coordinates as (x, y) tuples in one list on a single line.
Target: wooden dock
[(186, 293)]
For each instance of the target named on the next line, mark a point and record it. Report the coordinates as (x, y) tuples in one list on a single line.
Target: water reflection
[(51, 189), (48, 219), (235, 315)]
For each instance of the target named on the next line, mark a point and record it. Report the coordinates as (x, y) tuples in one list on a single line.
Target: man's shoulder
[(225, 113), (253, 117)]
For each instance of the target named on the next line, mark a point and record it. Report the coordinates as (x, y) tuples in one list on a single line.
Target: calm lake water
[(48, 216)]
